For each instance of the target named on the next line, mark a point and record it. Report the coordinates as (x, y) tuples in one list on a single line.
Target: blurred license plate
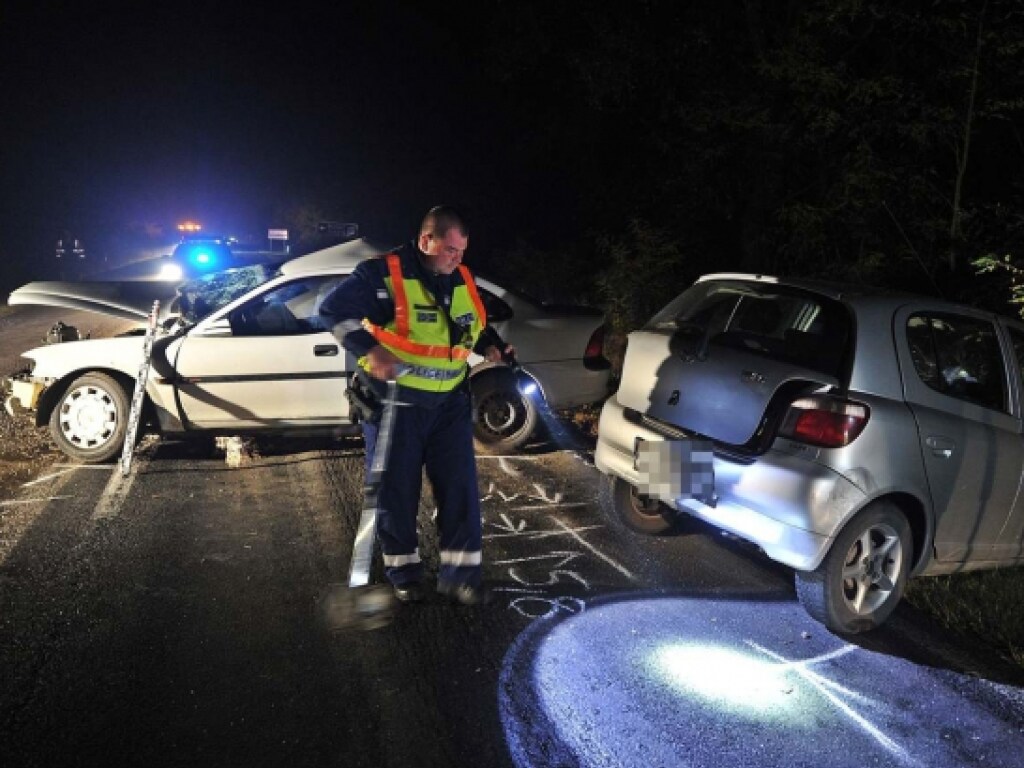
[(674, 469)]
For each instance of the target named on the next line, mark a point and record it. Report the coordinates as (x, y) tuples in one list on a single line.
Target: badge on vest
[(465, 320), (426, 317)]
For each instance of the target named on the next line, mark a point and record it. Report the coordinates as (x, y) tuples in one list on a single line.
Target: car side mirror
[(218, 327)]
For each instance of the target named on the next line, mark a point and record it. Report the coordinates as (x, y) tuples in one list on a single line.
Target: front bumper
[(22, 393), (790, 506)]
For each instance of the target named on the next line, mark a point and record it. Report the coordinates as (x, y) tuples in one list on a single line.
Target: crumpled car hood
[(129, 300)]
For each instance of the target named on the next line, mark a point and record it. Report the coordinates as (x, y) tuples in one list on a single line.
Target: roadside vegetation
[(981, 605)]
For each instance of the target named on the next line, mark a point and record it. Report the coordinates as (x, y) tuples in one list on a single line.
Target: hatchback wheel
[(503, 417), (862, 577), (90, 419), (648, 516)]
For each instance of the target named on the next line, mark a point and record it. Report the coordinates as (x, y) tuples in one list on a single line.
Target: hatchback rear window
[(773, 321)]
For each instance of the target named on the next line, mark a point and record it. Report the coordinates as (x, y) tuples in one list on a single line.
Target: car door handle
[(940, 446), (325, 350)]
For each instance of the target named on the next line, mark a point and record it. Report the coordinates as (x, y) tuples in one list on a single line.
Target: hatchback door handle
[(325, 350), (940, 446)]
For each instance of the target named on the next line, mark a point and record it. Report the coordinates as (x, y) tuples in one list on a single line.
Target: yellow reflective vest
[(419, 333)]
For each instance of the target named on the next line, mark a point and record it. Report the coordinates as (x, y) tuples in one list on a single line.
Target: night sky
[(121, 120), (612, 151)]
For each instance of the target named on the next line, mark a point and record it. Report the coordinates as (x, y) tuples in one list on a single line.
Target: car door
[(1009, 541), (265, 362), (958, 387)]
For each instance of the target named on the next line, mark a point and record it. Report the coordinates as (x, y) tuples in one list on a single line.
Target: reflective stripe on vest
[(433, 366)]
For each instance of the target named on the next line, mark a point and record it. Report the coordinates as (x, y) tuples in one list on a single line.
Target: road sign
[(277, 234), (341, 228)]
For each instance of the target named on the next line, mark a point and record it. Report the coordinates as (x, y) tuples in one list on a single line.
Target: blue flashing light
[(202, 257)]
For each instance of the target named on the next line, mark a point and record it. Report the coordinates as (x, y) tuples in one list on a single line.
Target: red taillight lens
[(595, 347), (825, 421)]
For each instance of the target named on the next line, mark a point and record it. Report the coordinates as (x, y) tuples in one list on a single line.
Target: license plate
[(674, 469)]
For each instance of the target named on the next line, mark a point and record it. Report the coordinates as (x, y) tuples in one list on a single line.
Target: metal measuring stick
[(359, 605), (135, 413), (362, 551)]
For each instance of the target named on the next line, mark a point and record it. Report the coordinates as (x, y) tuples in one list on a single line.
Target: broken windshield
[(204, 295)]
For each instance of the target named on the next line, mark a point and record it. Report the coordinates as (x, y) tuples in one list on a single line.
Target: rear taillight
[(595, 347), (824, 421)]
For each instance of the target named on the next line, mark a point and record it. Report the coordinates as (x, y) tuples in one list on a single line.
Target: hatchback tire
[(862, 577), (503, 417), (90, 419), (648, 516)]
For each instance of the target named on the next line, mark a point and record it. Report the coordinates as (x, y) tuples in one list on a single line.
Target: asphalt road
[(175, 618)]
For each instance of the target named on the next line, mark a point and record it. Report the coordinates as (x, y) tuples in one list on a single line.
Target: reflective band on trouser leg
[(460, 559), (397, 561)]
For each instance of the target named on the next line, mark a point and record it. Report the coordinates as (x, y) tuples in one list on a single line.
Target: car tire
[(90, 419), (503, 417), (650, 516), (862, 577)]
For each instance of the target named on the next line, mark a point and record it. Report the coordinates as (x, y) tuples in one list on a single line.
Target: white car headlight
[(170, 271)]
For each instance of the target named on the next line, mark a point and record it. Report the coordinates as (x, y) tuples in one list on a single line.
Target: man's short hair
[(442, 218)]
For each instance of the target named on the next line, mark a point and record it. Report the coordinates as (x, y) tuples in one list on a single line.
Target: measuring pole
[(135, 414), (362, 550)]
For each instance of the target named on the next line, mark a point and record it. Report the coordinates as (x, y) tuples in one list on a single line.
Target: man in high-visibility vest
[(414, 315)]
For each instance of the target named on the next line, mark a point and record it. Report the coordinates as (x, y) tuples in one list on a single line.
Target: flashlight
[(526, 385)]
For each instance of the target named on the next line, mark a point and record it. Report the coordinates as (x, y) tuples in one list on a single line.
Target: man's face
[(444, 254)]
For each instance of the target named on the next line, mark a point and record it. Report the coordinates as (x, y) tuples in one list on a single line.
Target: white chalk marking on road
[(818, 681), (552, 578), (617, 566), (566, 557), (44, 478), (508, 525), (100, 467), (507, 468), (549, 507), (118, 486), (510, 456), (542, 534), (543, 495), (31, 501)]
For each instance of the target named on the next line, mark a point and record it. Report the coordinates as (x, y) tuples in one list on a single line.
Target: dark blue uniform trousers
[(440, 439)]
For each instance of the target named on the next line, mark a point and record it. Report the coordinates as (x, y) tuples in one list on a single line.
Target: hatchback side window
[(960, 357), (289, 309)]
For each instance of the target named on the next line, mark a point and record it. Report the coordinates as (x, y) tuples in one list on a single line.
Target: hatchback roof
[(344, 255)]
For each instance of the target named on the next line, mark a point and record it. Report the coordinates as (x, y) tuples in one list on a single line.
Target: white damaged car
[(245, 352)]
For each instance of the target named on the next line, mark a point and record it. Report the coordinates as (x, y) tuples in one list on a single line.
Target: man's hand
[(494, 355), (383, 364)]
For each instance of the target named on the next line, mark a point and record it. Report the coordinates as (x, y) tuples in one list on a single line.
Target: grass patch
[(986, 604)]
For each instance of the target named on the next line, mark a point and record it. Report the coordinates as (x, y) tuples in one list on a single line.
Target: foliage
[(645, 270), (983, 604), (854, 139)]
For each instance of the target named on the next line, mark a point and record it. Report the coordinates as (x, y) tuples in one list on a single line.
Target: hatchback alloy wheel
[(862, 577)]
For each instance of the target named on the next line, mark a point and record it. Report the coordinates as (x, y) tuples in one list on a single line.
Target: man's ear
[(424, 241)]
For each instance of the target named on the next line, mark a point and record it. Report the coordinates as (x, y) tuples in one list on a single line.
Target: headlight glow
[(170, 272)]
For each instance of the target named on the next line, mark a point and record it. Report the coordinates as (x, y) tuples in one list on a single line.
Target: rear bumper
[(789, 506)]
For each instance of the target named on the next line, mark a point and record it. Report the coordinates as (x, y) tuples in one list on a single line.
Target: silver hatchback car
[(856, 435)]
